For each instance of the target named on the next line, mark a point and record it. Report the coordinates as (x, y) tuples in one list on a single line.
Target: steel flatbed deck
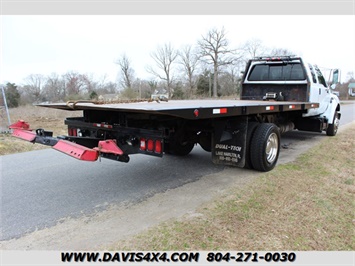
[(190, 109)]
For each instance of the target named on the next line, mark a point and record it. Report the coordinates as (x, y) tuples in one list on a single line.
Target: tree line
[(209, 68)]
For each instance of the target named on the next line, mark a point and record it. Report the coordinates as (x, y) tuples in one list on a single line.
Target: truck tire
[(265, 147), (205, 141), (332, 129), (250, 133), (181, 149)]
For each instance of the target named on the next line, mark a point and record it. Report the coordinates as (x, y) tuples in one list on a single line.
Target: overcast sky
[(91, 44)]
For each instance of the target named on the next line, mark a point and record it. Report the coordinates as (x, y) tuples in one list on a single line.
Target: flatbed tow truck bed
[(190, 109), (232, 130)]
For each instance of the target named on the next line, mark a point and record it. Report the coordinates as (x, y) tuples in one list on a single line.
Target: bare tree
[(189, 61), (164, 58), (89, 83), (126, 71), (34, 87), (213, 47), (350, 77), (74, 83), (102, 86), (108, 87), (54, 88), (280, 52), (230, 80), (253, 48)]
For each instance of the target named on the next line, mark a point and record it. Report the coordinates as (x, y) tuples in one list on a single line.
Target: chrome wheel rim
[(272, 146)]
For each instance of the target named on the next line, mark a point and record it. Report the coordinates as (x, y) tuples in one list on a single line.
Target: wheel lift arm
[(22, 130)]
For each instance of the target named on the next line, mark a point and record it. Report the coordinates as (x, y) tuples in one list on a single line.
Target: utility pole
[(4, 111)]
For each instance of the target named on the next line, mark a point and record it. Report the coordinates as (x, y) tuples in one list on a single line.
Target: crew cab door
[(320, 90)]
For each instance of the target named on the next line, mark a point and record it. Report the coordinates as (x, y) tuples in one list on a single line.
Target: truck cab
[(289, 78), (322, 93)]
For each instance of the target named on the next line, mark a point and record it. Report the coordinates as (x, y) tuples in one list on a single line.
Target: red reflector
[(143, 145), (223, 110), (150, 146), (220, 111), (158, 148), (196, 112)]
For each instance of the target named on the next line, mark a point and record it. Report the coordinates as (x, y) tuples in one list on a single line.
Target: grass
[(305, 205), (37, 117)]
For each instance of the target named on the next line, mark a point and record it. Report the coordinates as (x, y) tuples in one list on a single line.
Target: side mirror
[(335, 78)]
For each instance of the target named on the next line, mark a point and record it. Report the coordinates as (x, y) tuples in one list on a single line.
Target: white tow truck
[(278, 94)]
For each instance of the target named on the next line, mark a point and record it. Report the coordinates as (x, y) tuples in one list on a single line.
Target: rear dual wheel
[(250, 133), (180, 148), (264, 147)]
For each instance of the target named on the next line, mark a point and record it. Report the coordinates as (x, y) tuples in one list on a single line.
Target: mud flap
[(229, 141)]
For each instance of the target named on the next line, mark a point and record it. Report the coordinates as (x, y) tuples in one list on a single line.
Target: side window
[(321, 79), (312, 73)]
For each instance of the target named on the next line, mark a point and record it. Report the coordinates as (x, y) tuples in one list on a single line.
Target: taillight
[(158, 148), (72, 132), (143, 145), (150, 145)]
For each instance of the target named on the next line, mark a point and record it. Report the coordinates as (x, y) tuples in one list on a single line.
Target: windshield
[(277, 72)]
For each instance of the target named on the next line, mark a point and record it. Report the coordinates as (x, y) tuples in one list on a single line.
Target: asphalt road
[(40, 188)]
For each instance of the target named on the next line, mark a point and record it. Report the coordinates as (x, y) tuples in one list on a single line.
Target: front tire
[(332, 129), (265, 147)]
